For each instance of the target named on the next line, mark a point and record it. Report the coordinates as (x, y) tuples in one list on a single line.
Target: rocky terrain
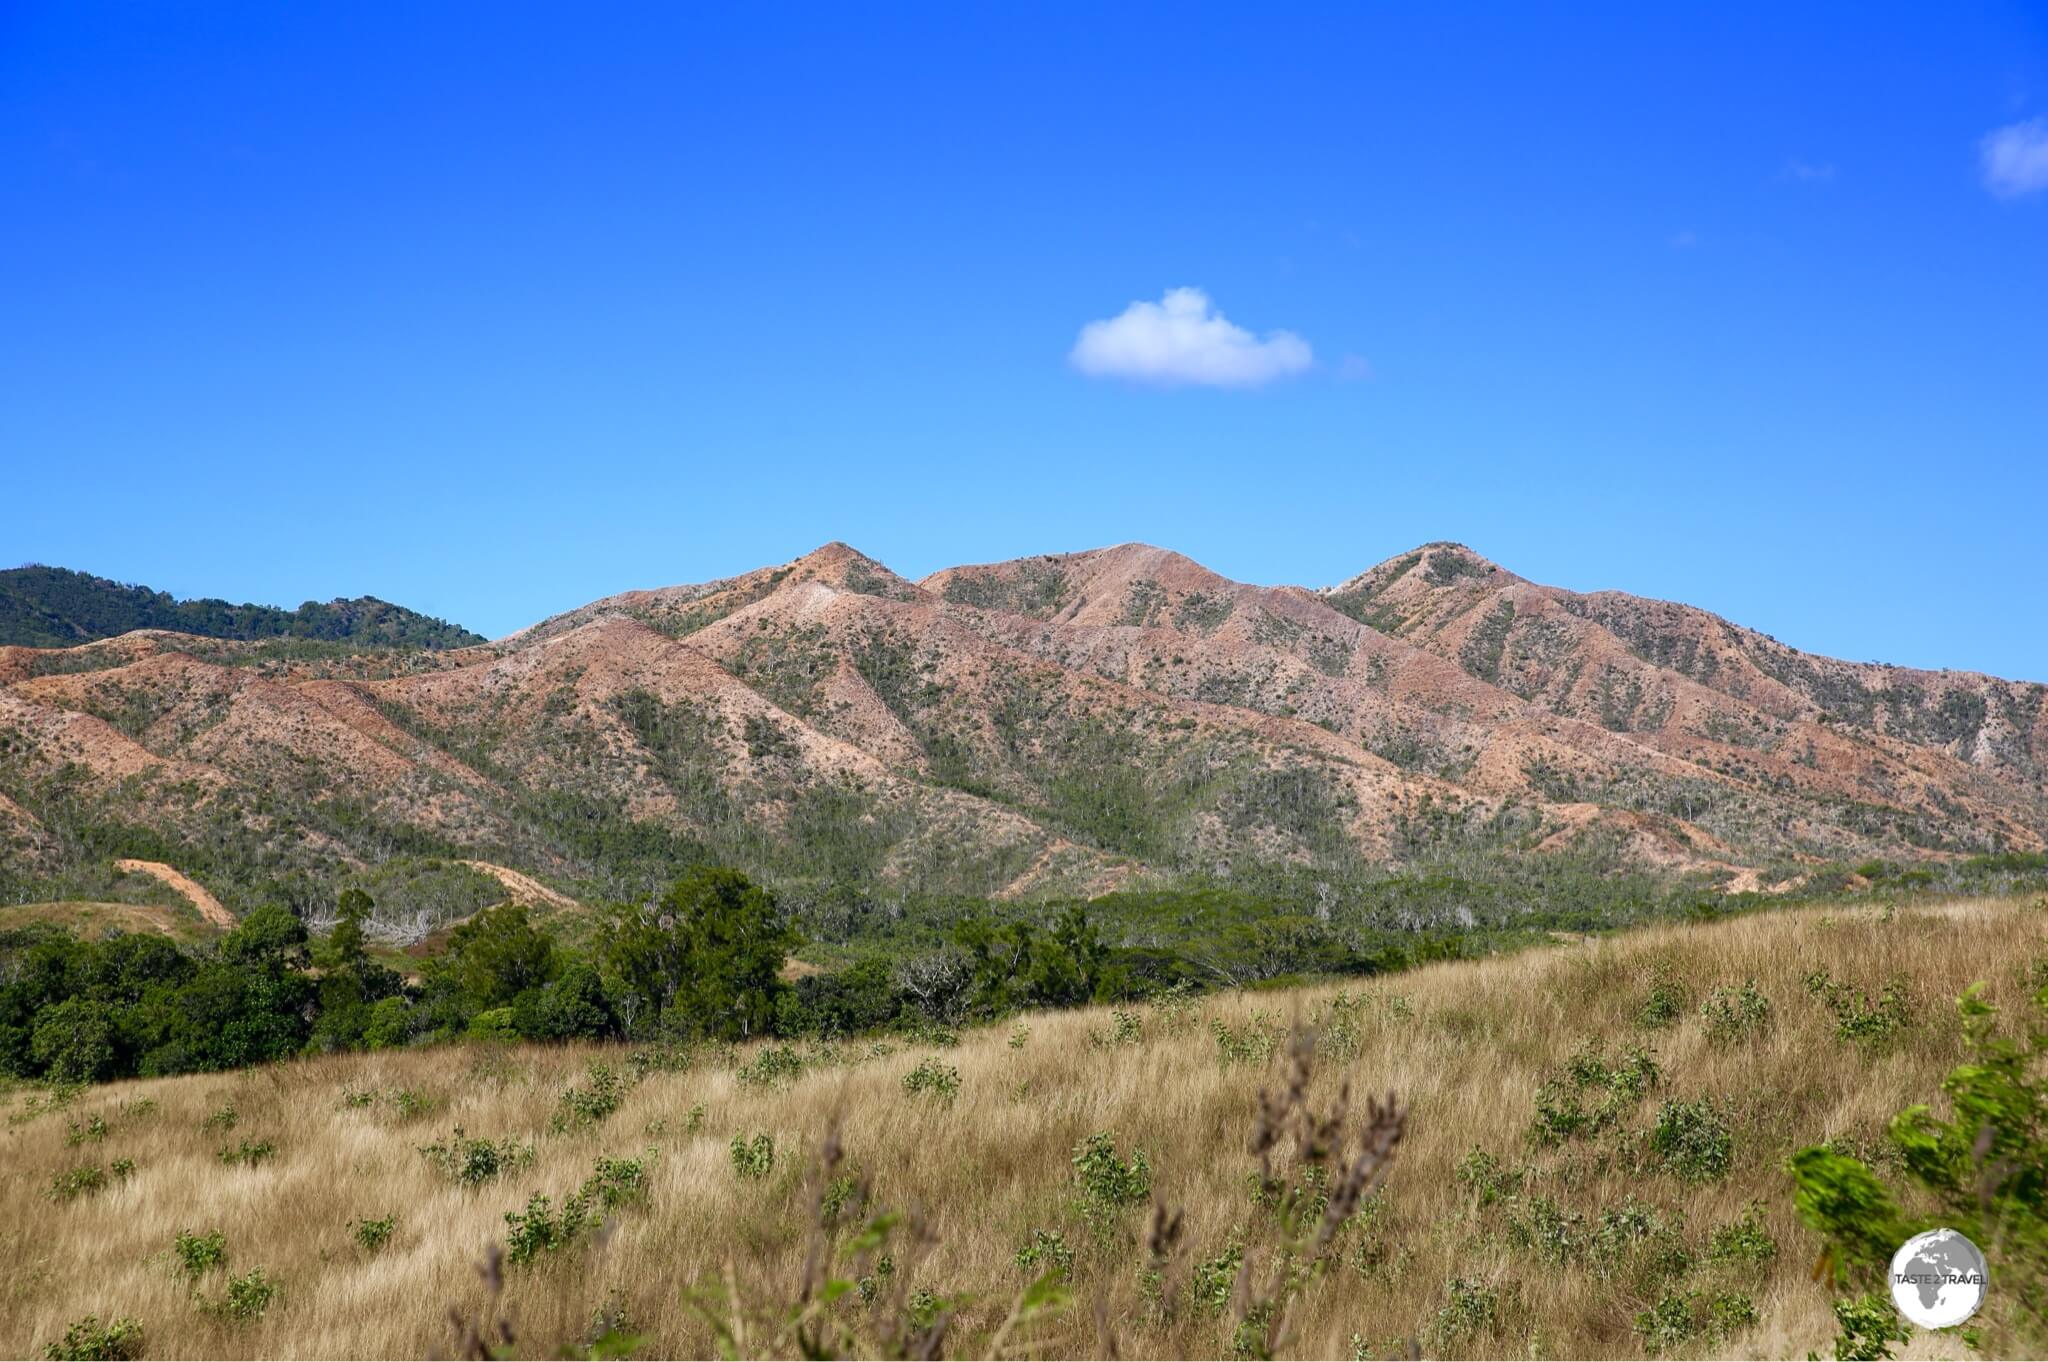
[(1050, 726)]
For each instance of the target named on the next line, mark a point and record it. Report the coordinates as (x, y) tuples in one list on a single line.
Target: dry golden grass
[(1475, 1042), (93, 919)]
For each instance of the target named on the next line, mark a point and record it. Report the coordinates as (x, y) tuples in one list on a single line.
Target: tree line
[(702, 961)]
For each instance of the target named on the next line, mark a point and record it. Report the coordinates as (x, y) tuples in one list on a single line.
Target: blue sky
[(494, 309)]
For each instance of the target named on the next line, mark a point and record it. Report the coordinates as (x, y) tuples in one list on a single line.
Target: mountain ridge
[(44, 606), (1066, 724)]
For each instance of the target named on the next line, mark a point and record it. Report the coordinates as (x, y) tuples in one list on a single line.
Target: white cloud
[(1183, 339), (2016, 159)]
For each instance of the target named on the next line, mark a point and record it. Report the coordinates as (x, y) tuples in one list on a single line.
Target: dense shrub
[(473, 1161), (930, 1077), (248, 1297), (773, 1065), (1692, 1140), (87, 1340), (1047, 1252), (248, 1153), (1858, 1018), (1109, 1184), (372, 1235), (755, 1158), (581, 1107), (199, 1254), (1733, 1014)]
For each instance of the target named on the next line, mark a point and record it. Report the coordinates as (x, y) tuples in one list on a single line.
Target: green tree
[(568, 1006), (270, 937), (705, 957), (494, 957), (351, 982), (74, 1041)]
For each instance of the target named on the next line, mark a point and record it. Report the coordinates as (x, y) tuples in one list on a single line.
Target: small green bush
[(1692, 1140), (616, 1182), (1735, 1014), (409, 1104), (872, 1284), (1858, 1019), (580, 1108), (841, 1194), (248, 1154), (1666, 1325), (778, 1064), (1340, 1026), (92, 1131), (1471, 1310), (538, 1229), (1253, 1043), (222, 1118), (1591, 1094), (473, 1162), (533, 1231), (1729, 1313), (248, 1296), (1047, 1252), (1554, 1234), (1490, 1180), (372, 1235), (1109, 1184), (1126, 1029), (932, 1078), (198, 1254), (87, 1340), (1215, 1279), (923, 1307), (84, 1180), (755, 1158), (1664, 1003), (1742, 1240), (1869, 1327), (1108, 1179)]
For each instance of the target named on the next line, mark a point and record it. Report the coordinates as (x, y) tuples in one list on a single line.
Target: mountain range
[(1062, 725), (46, 607)]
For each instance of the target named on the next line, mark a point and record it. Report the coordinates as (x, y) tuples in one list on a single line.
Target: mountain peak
[(1428, 567), (839, 564)]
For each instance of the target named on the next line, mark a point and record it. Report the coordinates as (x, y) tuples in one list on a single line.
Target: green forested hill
[(47, 607)]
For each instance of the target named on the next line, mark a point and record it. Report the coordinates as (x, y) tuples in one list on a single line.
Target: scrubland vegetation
[(1604, 1147)]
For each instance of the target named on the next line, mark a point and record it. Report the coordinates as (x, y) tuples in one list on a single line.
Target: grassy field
[(1572, 1247), (92, 919)]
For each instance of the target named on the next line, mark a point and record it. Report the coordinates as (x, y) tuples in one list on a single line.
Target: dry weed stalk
[(1335, 1178), (488, 1333)]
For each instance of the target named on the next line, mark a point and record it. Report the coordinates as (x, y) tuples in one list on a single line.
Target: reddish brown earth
[(1045, 726), (209, 907)]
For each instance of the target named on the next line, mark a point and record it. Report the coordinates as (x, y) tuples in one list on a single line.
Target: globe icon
[(1938, 1279)]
